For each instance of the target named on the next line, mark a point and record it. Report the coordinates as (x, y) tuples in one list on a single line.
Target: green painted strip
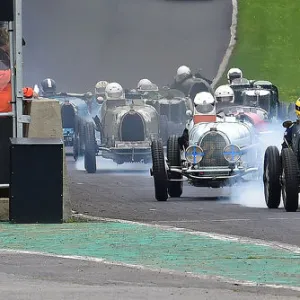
[(157, 248)]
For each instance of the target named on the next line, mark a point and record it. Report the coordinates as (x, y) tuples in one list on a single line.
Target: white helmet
[(204, 102), (100, 87), (114, 91), (234, 73), (146, 85), (142, 82), (225, 94), (182, 72), (204, 98)]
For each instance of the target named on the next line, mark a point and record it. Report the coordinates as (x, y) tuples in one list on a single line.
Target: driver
[(224, 94), (142, 83), (100, 88), (100, 91), (114, 91), (287, 142), (48, 87), (234, 73), (183, 80)]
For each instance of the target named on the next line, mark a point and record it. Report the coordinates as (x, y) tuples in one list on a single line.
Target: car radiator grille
[(213, 145)]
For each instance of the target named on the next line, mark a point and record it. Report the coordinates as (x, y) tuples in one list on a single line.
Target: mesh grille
[(213, 145), (68, 116), (164, 109)]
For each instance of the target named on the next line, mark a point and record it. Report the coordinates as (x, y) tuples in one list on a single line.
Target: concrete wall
[(45, 123)]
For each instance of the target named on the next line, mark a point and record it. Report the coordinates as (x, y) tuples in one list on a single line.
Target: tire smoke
[(251, 194), (107, 166)]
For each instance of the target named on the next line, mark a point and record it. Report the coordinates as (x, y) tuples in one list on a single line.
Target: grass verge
[(268, 44)]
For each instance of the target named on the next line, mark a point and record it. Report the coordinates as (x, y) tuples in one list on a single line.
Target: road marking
[(146, 268), (213, 235), (231, 45), (220, 220), (201, 221)]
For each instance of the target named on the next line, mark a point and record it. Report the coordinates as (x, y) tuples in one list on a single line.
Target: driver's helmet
[(145, 88), (297, 108), (234, 73), (100, 88), (143, 82), (224, 94), (204, 102), (114, 91), (182, 73), (48, 86)]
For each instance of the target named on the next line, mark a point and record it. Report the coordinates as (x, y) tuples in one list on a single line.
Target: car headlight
[(232, 153), (194, 154)]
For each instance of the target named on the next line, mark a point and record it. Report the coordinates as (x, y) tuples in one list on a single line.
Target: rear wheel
[(173, 155), (90, 151), (78, 142), (289, 180), (159, 171), (271, 177)]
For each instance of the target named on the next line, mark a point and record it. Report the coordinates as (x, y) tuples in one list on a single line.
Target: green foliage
[(268, 44)]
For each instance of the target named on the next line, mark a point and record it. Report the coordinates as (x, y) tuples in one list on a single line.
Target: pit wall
[(45, 123)]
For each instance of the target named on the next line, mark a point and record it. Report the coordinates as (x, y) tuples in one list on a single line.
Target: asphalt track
[(78, 42), (127, 192), (29, 277)]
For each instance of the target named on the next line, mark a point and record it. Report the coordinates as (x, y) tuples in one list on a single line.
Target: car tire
[(290, 182), (173, 155), (159, 171), (271, 177), (90, 151)]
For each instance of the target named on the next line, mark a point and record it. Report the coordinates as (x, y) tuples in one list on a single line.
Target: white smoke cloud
[(251, 194), (104, 165)]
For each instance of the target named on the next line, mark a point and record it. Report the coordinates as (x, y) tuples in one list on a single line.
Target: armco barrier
[(45, 123)]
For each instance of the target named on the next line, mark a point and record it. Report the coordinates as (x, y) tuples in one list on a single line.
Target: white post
[(18, 65), (12, 71)]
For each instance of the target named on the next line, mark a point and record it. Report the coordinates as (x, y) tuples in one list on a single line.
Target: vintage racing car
[(281, 172), (126, 126), (215, 152), (172, 106), (259, 93), (76, 109)]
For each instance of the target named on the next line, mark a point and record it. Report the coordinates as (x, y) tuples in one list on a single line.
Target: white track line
[(223, 237), (231, 45), (148, 268)]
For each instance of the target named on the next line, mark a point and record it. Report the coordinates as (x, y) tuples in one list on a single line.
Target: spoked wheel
[(289, 180), (159, 171), (173, 155), (271, 177)]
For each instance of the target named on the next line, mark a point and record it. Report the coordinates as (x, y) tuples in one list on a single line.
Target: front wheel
[(271, 177), (173, 155), (159, 171), (289, 180), (90, 151)]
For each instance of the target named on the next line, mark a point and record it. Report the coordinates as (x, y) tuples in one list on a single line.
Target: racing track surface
[(80, 42), (124, 193)]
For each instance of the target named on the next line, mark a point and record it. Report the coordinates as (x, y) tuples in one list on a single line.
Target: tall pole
[(18, 66)]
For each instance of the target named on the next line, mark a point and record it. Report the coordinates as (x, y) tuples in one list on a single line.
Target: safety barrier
[(45, 123)]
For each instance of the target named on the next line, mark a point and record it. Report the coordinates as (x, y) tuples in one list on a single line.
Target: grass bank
[(268, 44)]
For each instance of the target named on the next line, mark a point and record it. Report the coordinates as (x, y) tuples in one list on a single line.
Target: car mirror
[(287, 124)]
